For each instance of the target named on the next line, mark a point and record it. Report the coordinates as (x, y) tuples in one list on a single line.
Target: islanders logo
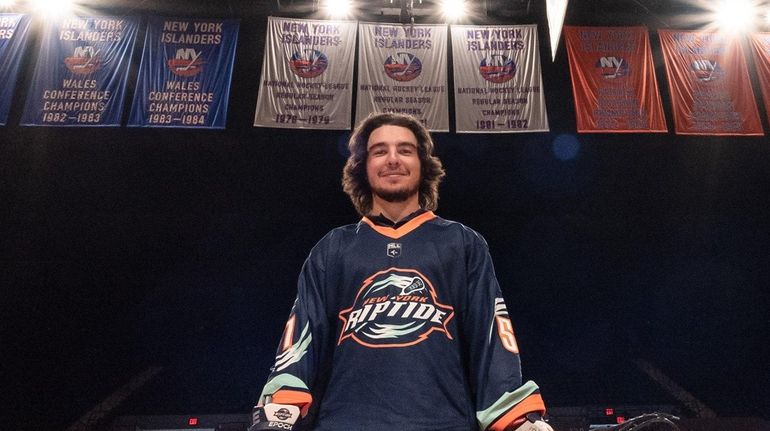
[(612, 67), (308, 63), (186, 62), (84, 60), (706, 70), (403, 66), (497, 68), (395, 308)]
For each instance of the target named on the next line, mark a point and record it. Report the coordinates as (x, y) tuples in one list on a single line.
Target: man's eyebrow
[(398, 144)]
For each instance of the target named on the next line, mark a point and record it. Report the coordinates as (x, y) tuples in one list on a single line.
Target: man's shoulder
[(340, 233), (458, 228), (348, 229), (452, 224), (333, 241)]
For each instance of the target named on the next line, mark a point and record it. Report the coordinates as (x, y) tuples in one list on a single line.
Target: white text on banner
[(81, 72), (709, 83), (13, 35), (760, 44), (613, 80), (184, 77)]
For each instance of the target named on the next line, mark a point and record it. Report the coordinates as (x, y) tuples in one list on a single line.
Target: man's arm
[(287, 396), (503, 401)]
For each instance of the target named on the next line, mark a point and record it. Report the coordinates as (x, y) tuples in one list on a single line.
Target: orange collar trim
[(402, 230)]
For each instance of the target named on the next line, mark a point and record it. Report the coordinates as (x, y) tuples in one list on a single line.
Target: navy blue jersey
[(401, 329)]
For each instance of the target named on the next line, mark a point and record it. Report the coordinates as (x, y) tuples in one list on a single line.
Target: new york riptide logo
[(395, 308)]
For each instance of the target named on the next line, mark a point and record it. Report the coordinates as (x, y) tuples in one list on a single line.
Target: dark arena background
[(147, 273)]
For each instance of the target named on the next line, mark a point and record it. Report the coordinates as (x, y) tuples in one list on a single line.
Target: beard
[(398, 195)]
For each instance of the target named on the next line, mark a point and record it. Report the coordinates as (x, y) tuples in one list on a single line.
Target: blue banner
[(81, 72), (185, 73), (13, 33)]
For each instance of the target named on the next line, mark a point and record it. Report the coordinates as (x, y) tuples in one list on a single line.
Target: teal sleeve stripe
[(505, 403), (296, 352), (281, 381)]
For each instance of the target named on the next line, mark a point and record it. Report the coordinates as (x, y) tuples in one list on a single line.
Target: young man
[(399, 323)]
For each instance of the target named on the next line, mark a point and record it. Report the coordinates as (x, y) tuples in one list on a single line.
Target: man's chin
[(395, 196)]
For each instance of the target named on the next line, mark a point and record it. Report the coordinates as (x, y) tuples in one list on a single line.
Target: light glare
[(7, 3), (337, 8), (735, 15), (453, 9), (53, 8)]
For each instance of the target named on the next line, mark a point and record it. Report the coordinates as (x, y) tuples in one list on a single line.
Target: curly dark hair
[(354, 180)]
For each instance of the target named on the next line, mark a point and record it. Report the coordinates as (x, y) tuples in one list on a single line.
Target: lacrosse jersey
[(401, 328)]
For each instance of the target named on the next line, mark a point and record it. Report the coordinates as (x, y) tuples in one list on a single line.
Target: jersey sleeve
[(494, 364), (296, 365)]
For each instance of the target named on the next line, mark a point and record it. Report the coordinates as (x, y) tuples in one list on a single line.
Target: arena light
[(337, 8), (53, 8), (453, 10), (735, 16)]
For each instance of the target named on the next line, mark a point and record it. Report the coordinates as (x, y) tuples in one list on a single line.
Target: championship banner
[(498, 84), (760, 43), (402, 68), (710, 89), (185, 73), (13, 34), (613, 80), (307, 75), (81, 72)]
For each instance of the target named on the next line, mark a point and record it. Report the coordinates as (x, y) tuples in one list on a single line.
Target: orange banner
[(710, 89), (760, 43), (613, 80)]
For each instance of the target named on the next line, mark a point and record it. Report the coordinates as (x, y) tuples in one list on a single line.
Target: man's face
[(392, 163)]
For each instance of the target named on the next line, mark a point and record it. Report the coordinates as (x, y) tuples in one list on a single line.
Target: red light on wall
[(192, 422), (609, 411), (620, 419)]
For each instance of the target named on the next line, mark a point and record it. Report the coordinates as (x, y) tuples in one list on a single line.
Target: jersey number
[(288, 333), (505, 329)]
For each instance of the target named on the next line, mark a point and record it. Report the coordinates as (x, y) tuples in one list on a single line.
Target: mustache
[(394, 171)]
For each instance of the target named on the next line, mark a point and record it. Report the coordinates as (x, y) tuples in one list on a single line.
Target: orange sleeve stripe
[(297, 398), (533, 403)]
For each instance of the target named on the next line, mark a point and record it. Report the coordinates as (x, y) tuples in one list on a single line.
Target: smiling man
[(399, 322), (393, 170)]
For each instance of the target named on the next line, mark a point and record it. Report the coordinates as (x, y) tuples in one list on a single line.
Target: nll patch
[(394, 249)]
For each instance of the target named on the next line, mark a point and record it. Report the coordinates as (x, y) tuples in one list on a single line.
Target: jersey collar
[(403, 229)]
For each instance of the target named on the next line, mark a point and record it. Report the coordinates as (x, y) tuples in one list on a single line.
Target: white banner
[(498, 84), (403, 69), (307, 74)]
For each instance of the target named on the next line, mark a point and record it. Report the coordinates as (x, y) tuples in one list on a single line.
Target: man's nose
[(393, 157)]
